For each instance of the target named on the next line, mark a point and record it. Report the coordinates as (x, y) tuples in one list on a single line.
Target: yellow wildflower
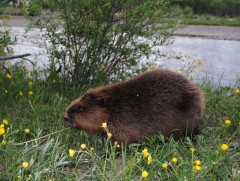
[(104, 125), (200, 63), (192, 149), (174, 160), (5, 91), (30, 82), (92, 149), (237, 91), (29, 73), (103, 67), (224, 147), (5, 122), (145, 152), (197, 168), (227, 122), (154, 67), (2, 131), (8, 76), (149, 159), (3, 142), (20, 93), (8, 62), (115, 143), (144, 174), (214, 163), (165, 165), (109, 135), (83, 146), (71, 152), (198, 162), (1, 125), (27, 130), (30, 93), (24, 164), (19, 177)]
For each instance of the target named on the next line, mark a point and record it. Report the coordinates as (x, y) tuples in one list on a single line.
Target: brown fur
[(158, 101)]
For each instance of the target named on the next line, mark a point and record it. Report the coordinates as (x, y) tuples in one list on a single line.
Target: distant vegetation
[(214, 7)]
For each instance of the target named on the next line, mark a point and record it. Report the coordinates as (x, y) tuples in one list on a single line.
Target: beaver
[(158, 101)]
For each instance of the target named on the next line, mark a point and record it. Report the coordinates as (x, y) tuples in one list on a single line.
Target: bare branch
[(14, 57)]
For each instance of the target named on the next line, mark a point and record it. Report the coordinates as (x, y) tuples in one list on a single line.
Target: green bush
[(214, 7), (98, 40), (34, 9)]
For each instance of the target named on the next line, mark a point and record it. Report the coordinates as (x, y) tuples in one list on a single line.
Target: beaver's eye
[(81, 110), (102, 102)]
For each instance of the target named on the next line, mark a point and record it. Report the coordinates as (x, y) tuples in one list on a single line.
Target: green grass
[(48, 155), (211, 20), (11, 11)]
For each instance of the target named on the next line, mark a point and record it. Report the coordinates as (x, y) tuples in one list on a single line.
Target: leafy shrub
[(214, 7), (98, 40)]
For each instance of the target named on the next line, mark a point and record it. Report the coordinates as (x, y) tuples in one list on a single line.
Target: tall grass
[(35, 134)]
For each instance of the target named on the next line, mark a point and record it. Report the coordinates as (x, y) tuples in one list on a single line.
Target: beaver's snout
[(65, 116)]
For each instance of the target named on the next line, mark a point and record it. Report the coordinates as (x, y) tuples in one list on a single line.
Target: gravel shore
[(210, 32)]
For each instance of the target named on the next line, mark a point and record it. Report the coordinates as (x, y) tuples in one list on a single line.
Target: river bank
[(216, 46), (203, 31)]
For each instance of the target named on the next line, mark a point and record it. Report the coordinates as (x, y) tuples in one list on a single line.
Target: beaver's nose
[(65, 116)]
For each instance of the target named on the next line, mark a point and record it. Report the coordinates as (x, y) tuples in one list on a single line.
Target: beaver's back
[(159, 101)]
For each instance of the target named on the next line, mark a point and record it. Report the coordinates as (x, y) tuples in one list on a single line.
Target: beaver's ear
[(102, 102)]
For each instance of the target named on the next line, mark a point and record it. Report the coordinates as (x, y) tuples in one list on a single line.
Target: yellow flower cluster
[(2, 127), (147, 155), (5, 122), (174, 160), (104, 125), (109, 135), (145, 152), (237, 91), (165, 165), (71, 152), (24, 164), (149, 159), (27, 130), (144, 174), (192, 150), (197, 167), (20, 93), (8, 76), (227, 122), (83, 146), (224, 147), (2, 130)]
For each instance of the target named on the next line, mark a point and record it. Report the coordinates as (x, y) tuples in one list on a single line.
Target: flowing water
[(221, 58)]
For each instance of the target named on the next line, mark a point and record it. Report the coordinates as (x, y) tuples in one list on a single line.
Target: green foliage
[(3, 3), (48, 152), (16, 11), (215, 7), (34, 9), (5, 40), (99, 40)]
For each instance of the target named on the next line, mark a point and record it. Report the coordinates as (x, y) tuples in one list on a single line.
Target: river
[(221, 58)]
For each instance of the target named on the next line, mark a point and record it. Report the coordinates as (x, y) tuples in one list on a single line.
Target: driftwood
[(14, 57)]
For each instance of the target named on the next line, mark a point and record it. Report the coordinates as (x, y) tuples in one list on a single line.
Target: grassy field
[(36, 145), (207, 19)]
